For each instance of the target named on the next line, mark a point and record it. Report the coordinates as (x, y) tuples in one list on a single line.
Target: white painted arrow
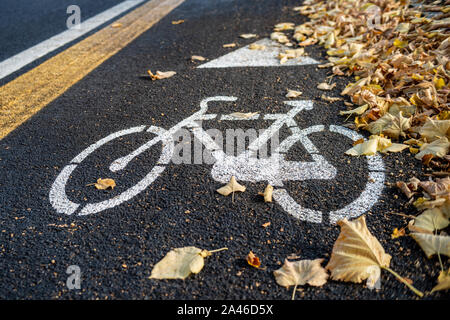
[(268, 57)]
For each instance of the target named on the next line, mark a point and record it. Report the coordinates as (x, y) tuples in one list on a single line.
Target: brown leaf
[(253, 260)]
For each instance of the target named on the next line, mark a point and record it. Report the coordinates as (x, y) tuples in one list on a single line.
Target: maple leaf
[(301, 272), (179, 263), (357, 255)]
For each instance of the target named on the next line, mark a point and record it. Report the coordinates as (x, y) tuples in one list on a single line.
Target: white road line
[(29, 55)]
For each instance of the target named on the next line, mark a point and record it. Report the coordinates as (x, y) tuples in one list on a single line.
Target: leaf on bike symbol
[(253, 260), (231, 187), (298, 273), (267, 194), (103, 184), (242, 115), (255, 46), (179, 263), (357, 255), (161, 75), (293, 93), (326, 86)]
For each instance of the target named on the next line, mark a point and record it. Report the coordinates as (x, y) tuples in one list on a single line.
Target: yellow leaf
[(398, 233), (248, 35), (439, 83), (179, 263), (443, 281), (284, 26), (255, 46), (177, 21), (392, 126), (229, 45), (267, 194), (199, 58), (360, 110), (433, 244), (161, 75), (326, 86), (357, 255), (231, 187), (103, 184), (400, 44), (253, 260), (431, 219), (298, 273), (293, 94), (438, 148)]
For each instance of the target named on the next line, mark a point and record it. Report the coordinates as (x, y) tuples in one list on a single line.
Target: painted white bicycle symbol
[(245, 167)]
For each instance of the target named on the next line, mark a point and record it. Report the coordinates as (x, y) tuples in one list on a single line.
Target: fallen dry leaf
[(443, 281), (229, 45), (179, 263), (103, 184), (298, 273), (253, 260), (431, 220), (178, 22), (231, 187), (357, 255), (161, 75), (199, 58), (398, 233), (116, 25), (248, 35), (293, 93), (331, 99), (433, 244), (267, 194), (265, 225), (326, 86), (256, 46), (243, 115)]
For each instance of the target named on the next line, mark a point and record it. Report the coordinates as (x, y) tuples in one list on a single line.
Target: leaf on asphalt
[(435, 129), (357, 255), (392, 126), (331, 99), (433, 244), (326, 86), (229, 45), (199, 58), (178, 22), (293, 93), (360, 110), (284, 26), (179, 263), (438, 148), (242, 115), (279, 36), (430, 220), (397, 233), (256, 46), (248, 35), (253, 260), (267, 194), (298, 273), (443, 281), (440, 187), (103, 184), (161, 75), (265, 225), (231, 187)]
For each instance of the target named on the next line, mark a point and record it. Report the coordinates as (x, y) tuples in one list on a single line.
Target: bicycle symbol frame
[(245, 167)]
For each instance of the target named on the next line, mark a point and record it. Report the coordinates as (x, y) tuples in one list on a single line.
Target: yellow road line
[(21, 98)]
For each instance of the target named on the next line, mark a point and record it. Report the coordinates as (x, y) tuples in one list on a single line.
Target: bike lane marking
[(29, 55), (24, 96)]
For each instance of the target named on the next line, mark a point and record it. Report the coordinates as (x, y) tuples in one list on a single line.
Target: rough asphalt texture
[(117, 248)]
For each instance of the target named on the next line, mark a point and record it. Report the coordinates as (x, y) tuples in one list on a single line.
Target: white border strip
[(29, 55)]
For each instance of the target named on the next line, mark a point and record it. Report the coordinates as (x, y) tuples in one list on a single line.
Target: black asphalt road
[(117, 248)]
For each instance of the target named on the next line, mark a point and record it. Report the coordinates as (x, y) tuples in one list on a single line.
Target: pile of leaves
[(399, 55)]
